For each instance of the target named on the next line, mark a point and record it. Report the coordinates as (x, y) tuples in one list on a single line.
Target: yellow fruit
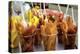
[(34, 21), (37, 7), (14, 32), (28, 15)]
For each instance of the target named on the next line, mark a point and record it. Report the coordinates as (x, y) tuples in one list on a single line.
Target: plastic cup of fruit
[(60, 36), (28, 42), (49, 41), (38, 37), (69, 43)]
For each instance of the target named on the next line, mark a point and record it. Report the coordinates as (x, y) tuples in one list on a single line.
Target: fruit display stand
[(65, 9)]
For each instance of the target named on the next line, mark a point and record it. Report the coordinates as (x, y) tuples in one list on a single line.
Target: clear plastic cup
[(60, 35), (48, 41), (28, 43), (69, 41), (38, 37)]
